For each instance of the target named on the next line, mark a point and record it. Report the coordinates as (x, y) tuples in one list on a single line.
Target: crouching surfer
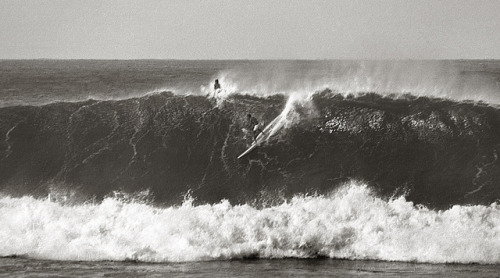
[(254, 126)]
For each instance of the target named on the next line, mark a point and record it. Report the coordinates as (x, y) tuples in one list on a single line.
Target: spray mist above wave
[(455, 80), (349, 223), (43, 82)]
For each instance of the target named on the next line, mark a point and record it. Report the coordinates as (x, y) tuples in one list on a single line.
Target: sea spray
[(349, 223), (454, 80)]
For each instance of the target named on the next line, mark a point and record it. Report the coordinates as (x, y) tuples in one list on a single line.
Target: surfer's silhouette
[(217, 88), (253, 125), (216, 85)]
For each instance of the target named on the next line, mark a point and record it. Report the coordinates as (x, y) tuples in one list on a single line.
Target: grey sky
[(254, 29)]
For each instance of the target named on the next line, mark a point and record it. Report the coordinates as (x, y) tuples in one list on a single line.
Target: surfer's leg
[(257, 130)]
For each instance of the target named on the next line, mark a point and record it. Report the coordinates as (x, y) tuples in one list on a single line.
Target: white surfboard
[(266, 133), (255, 144)]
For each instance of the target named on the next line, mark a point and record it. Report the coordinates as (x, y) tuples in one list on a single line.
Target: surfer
[(217, 88), (253, 125), (216, 85)]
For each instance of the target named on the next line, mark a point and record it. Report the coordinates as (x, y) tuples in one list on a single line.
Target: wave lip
[(350, 223)]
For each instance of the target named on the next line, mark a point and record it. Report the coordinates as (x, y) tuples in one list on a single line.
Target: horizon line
[(249, 59)]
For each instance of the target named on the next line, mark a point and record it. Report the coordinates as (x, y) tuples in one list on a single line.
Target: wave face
[(350, 223), (437, 152)]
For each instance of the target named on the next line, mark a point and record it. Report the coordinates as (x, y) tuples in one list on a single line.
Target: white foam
[(350, 223)]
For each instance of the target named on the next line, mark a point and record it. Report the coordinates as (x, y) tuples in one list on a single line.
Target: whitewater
[(350, 223), (119, 161)]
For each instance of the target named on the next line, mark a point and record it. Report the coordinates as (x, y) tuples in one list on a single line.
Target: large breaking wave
[(361, 176), (438, 152)]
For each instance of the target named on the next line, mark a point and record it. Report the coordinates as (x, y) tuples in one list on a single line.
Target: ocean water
[(129, 168)]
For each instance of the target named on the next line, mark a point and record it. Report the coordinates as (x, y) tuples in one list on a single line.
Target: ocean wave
[(441, 152), (351, 222)]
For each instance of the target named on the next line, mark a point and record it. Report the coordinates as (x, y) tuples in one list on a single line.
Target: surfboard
[(253, 146), (266, 133)]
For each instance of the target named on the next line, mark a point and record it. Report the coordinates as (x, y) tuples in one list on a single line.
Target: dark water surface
[(16, 267)]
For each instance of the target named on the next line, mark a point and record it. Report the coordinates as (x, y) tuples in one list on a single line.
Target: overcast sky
[(253, 29)]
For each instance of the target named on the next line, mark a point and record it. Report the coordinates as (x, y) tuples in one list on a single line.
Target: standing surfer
[(217, 88), (216, 85)]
